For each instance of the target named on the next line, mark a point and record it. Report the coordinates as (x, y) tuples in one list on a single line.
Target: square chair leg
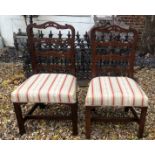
[(42, 105), (88, 122), (74, 115), (126, 109), (142, 121), (20, 120)]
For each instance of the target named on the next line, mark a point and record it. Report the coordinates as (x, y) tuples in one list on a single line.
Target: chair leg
[(142, 121), (74, 115), (88, 122), (94, 110), (126, 109), (19, 117), (42, 105)]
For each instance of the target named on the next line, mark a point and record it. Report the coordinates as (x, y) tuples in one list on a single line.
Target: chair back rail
[(113, 50), (49, 53)]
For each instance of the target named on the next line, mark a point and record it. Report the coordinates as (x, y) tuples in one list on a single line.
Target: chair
[(53, 80), (113, 55)]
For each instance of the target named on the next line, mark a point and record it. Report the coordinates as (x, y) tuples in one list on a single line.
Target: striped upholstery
[(47, 88), (115, 91)]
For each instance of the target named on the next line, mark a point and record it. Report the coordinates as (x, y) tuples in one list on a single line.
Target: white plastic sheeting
[(11, 24)]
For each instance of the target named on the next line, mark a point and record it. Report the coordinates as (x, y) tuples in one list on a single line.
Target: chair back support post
[(31, 48)]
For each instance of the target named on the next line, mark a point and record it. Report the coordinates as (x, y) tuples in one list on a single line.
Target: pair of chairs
[(60, 88)]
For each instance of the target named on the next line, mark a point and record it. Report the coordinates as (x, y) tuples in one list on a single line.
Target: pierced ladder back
[(113, 51), (51, 53)]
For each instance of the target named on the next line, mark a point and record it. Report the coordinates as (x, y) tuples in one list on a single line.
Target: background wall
[(136, 22), (11, 24)]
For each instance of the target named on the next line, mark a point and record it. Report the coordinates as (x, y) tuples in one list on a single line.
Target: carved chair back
[(49, 53), (113, 51)]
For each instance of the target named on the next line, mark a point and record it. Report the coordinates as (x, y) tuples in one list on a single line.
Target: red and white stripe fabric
[(115, 91), (46, 88)]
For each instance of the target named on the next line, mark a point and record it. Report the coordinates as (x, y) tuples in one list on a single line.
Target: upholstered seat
[(46, 88), (115, 91)]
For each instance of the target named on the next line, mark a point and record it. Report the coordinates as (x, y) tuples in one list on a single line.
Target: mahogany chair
[(54, 79), (113, 55)]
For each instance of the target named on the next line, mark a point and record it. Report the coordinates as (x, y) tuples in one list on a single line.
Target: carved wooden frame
[(113, 43), (31, 40)]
